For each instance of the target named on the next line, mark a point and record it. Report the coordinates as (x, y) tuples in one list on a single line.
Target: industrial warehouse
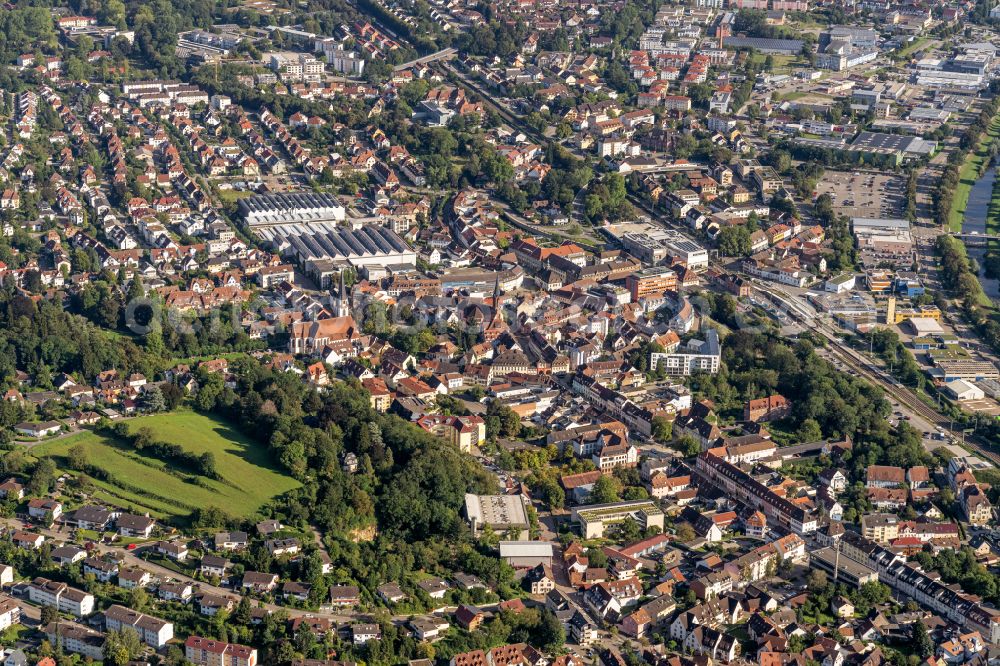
[(291, 208), (322, 248)]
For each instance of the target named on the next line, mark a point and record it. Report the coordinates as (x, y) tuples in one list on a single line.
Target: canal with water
[(975, 222)]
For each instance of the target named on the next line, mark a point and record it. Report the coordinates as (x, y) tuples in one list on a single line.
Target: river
[(975, 222)]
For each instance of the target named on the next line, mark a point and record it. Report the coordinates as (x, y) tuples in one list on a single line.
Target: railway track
[(862, 368), (911, 401)]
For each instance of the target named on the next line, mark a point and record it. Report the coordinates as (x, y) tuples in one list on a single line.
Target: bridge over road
[(974, 239), (443, 54)]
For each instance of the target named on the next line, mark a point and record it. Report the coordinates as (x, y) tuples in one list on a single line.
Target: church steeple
[(496, 321), (343, 300)]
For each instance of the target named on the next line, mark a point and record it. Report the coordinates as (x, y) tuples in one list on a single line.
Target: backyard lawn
[(143, 482)]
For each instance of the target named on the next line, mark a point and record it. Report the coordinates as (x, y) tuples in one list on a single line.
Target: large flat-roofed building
[(595, 518), (653, 244), (291, 208), (843, 47), (897, 145), (368, 245), (693, 255), (764, 45), (520, 554), (477, 281), (644, 247), (956, 82), (653, 280), (865, 38), (970, 369), (846, 569), (502, 513), (882, 241)]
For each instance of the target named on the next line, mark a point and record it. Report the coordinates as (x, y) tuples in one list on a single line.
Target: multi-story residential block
[(76, 639), (61, 596), (152, 631), (10, 612), (208, 652), (742, 487)]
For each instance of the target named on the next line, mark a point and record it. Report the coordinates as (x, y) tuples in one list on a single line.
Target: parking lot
[(864, 194), (985, 406)]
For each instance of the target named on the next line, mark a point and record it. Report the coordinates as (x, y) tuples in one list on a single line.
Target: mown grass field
[(969, 174), (249, 480), (913, 46)]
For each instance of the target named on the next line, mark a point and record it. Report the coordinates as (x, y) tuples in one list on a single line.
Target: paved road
[(443, 54)]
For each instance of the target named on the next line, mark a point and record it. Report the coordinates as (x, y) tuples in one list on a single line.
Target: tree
[(41, 479), (77, 457), (135, 290), (809, 431), (921, 640), (138, 599), (120, 647), (734, 241), (684, 533), (688, 446), (597, 558), (154, 400), (550, 633), (143, 437), (172, 394), (206, 464), (49, 615), (501, 420), (816, 581), (605, 490), (662, 428)]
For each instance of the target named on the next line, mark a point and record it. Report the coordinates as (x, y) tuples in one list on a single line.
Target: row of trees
[(944, 194), (960, 277), (144, 439)]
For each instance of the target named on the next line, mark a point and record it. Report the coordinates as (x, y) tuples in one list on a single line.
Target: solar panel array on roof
[(291, 208), (290, 200), (367, 245), (790, 46)]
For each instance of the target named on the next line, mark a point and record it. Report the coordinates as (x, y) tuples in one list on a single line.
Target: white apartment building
[(152, 631), (683, 363), (60, 595), (10, 612)]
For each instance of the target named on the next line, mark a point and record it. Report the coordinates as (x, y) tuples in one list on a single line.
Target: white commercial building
[(521, 554), (340, 59), (963, 390), (296, 67)]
